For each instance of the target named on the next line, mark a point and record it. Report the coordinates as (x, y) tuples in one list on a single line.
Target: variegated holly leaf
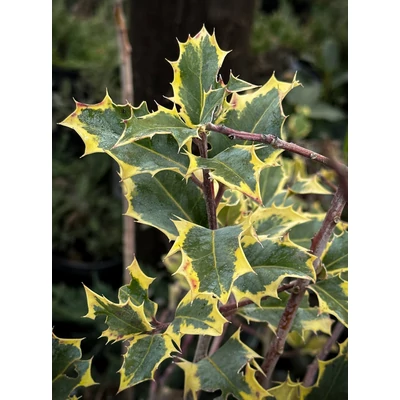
[(137, 290), (238, 167), (335, 258), (211, 259), (308, 185), (143, 356), (332, 296), (238, 85), (199, 316), (272, 182), (68, 370), (259, 111), (124, 319), (332, 381), (162, 121), (270, 310), (215, 373), (156, 200), (100, 127), (274, 221), (195, 88), (272, 260), (290, 390)]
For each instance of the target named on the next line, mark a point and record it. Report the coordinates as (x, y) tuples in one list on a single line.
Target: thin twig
[(278, 143), (208, 190), (312, 369), (216, 343), (220, 193), (128, 223), (318, 244)]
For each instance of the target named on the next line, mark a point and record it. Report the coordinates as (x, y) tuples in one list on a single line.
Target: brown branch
[(278, 143), (312, 369), (208, 190), (220, 193), (318, 244)]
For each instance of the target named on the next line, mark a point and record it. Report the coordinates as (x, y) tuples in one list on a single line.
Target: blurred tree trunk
[(156, 24)]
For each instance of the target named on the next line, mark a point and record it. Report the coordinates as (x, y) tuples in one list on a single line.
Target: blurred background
[(285, 36)]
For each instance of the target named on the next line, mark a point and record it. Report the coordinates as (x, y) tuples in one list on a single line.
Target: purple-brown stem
[(312, 369), (318, 244), (278, 143), (208, 190), (220, 193)]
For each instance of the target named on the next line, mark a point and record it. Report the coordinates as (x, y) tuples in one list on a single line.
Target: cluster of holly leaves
[(263, 236)]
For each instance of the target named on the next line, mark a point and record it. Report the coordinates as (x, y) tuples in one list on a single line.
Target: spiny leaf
[(290, 390), (259, 111), (306, 319), (67, 355), (199, 316), (272, 260), (332, 382), (162, 121), (194, 84), (156, 200), (215, 373), (335, 258), (238, 167), (308, 185), (137, 290), (332, 296), (274, 221), (211, 259), (143, 356), (99, 125), (238, 85), (123, 319), (272, 181)]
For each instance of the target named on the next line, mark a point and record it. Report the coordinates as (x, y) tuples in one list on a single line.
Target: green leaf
[(67, 361), (272, 182), (156, 200), (211, 259), (259, 111), (99, 125), (238, 85), (215, 373), (275, 221), (308, 185), (272, 260), (306, 319), (199, 316), (123, 319), (336, 258), (137, 290), (332, 296), (162, 121), (143, 356), (238, 167), (332, 382), (290, 390), (195, 72)]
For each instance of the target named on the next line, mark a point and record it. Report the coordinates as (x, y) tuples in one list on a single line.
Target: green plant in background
[(86, 216), (210, 173), (313, 45)]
